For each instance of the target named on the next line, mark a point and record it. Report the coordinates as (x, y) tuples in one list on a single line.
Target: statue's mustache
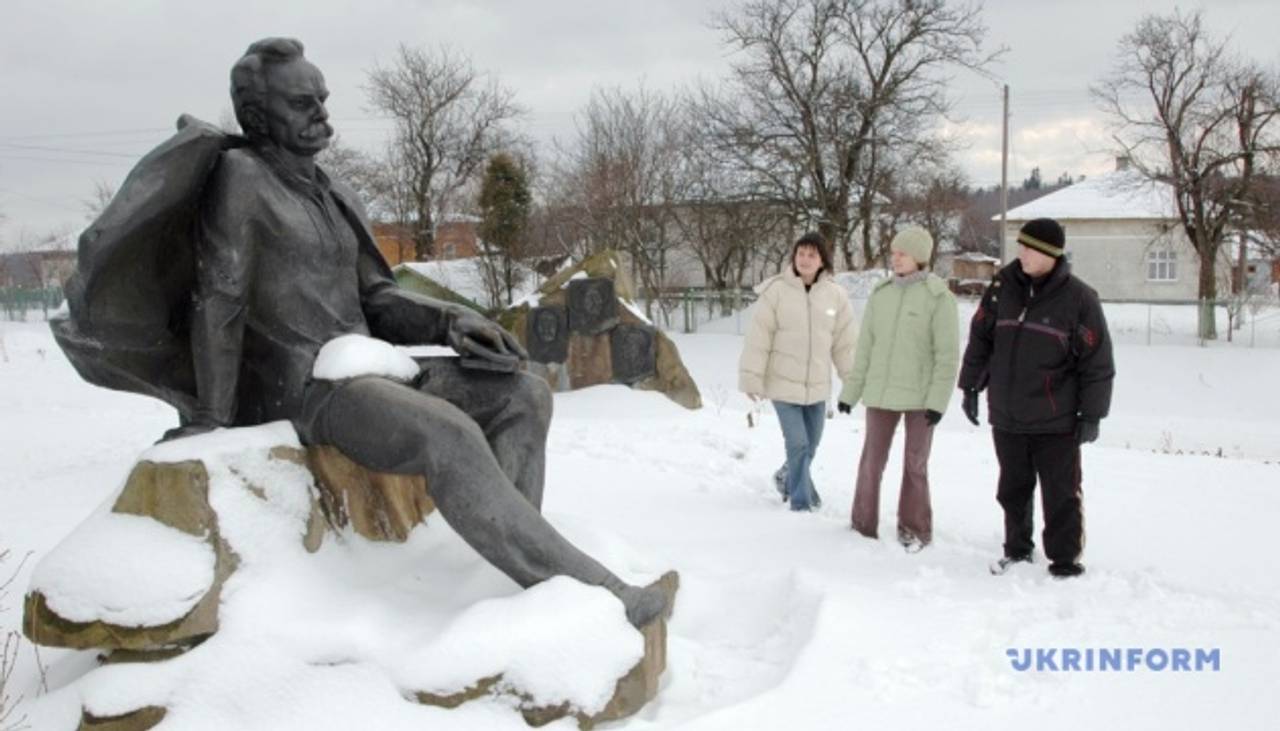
[(320, 130)]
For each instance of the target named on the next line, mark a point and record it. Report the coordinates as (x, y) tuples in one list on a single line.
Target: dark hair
[(249, 83), (817, 241)]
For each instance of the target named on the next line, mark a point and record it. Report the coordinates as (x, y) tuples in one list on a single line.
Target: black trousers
[(1055, 460)]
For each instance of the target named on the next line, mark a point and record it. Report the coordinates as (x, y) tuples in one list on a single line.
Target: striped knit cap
[(1044, 235)]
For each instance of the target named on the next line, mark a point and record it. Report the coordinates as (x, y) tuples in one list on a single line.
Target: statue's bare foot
[(648, 604)]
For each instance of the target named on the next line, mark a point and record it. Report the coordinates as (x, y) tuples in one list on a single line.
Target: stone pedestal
[(380, 507)]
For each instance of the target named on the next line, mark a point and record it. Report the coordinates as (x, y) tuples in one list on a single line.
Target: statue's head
[(279, 97)]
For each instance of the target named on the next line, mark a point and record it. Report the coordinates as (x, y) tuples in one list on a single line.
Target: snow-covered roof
[(976, 256), (465, 277), (460, 218), (1121, 194)]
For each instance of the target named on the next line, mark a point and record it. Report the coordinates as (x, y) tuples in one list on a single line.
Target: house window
[(1162, 266)]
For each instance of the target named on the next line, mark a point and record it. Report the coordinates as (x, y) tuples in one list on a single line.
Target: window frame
[(1161, 265)]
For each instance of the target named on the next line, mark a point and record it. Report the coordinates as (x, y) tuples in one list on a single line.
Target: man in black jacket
[(1039, 344)]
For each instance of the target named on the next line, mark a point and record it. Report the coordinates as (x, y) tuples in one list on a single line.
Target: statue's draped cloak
[(129, 300)]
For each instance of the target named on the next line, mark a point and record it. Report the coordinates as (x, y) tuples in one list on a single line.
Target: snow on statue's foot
[(1004, 564)]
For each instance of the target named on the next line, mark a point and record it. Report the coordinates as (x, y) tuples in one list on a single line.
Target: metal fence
[(700, 310), (1251, 322), (16, 302)]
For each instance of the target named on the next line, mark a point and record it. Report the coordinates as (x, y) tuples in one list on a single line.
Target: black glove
[(844, 408), (970, 406), (1086, 431), (933, 417)]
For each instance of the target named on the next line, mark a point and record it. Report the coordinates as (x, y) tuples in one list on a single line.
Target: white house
[(1122, 237)]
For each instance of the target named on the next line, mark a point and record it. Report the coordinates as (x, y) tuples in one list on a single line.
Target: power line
[(100, 133), (46, 201), (103, 163), (66, 149)]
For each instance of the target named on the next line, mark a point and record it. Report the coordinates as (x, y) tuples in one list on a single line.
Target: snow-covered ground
[(783, 620)]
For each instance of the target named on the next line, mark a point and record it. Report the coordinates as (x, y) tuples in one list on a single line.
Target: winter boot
[(1000, 567), (910, 542), (780, 481), (1065, 570)]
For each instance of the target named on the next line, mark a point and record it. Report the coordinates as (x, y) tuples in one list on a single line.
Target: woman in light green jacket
[(905, 368)]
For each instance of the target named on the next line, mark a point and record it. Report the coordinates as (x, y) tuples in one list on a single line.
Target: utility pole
[(1004, 174)]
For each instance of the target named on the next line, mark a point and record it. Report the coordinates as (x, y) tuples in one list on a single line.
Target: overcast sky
[(88, 86)]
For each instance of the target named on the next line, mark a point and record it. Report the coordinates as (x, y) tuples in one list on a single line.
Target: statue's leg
[(388, 427), (512, 409)]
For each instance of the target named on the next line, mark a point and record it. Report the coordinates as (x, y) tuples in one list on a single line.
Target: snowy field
[(783, 621), (1257, 326)]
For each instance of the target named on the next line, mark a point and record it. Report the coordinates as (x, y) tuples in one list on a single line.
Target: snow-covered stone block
[(213, 549)]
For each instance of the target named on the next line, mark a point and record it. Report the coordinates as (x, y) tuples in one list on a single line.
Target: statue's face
[(294, 107)]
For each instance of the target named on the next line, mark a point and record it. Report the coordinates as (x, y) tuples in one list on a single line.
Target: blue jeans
[(801, 432)]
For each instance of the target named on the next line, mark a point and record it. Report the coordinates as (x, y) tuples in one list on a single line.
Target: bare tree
[(1189, 115), (448, 118), (618, 180), (893, 182), (97, 201), (369, 178), (935, 199), (819, 87), (731, 231)]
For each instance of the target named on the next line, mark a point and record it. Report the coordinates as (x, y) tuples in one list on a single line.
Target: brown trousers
[(915, 513)]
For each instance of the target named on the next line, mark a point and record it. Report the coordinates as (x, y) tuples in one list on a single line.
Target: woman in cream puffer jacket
[(802, 326)]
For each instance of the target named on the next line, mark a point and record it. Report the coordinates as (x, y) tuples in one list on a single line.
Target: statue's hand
[(475, 336)]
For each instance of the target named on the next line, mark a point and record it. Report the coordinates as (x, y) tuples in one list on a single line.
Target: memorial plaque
[(635, 353), (592, 305), (547, 334)]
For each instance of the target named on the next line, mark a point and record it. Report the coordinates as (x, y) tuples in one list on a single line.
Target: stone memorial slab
[(547, 334), (634, 353), (593, 308)]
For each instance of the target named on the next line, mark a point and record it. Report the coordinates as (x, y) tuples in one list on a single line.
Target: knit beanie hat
[(1044, 235), (915, 242)]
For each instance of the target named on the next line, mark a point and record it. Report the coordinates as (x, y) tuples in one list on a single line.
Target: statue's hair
[(249, 81)]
